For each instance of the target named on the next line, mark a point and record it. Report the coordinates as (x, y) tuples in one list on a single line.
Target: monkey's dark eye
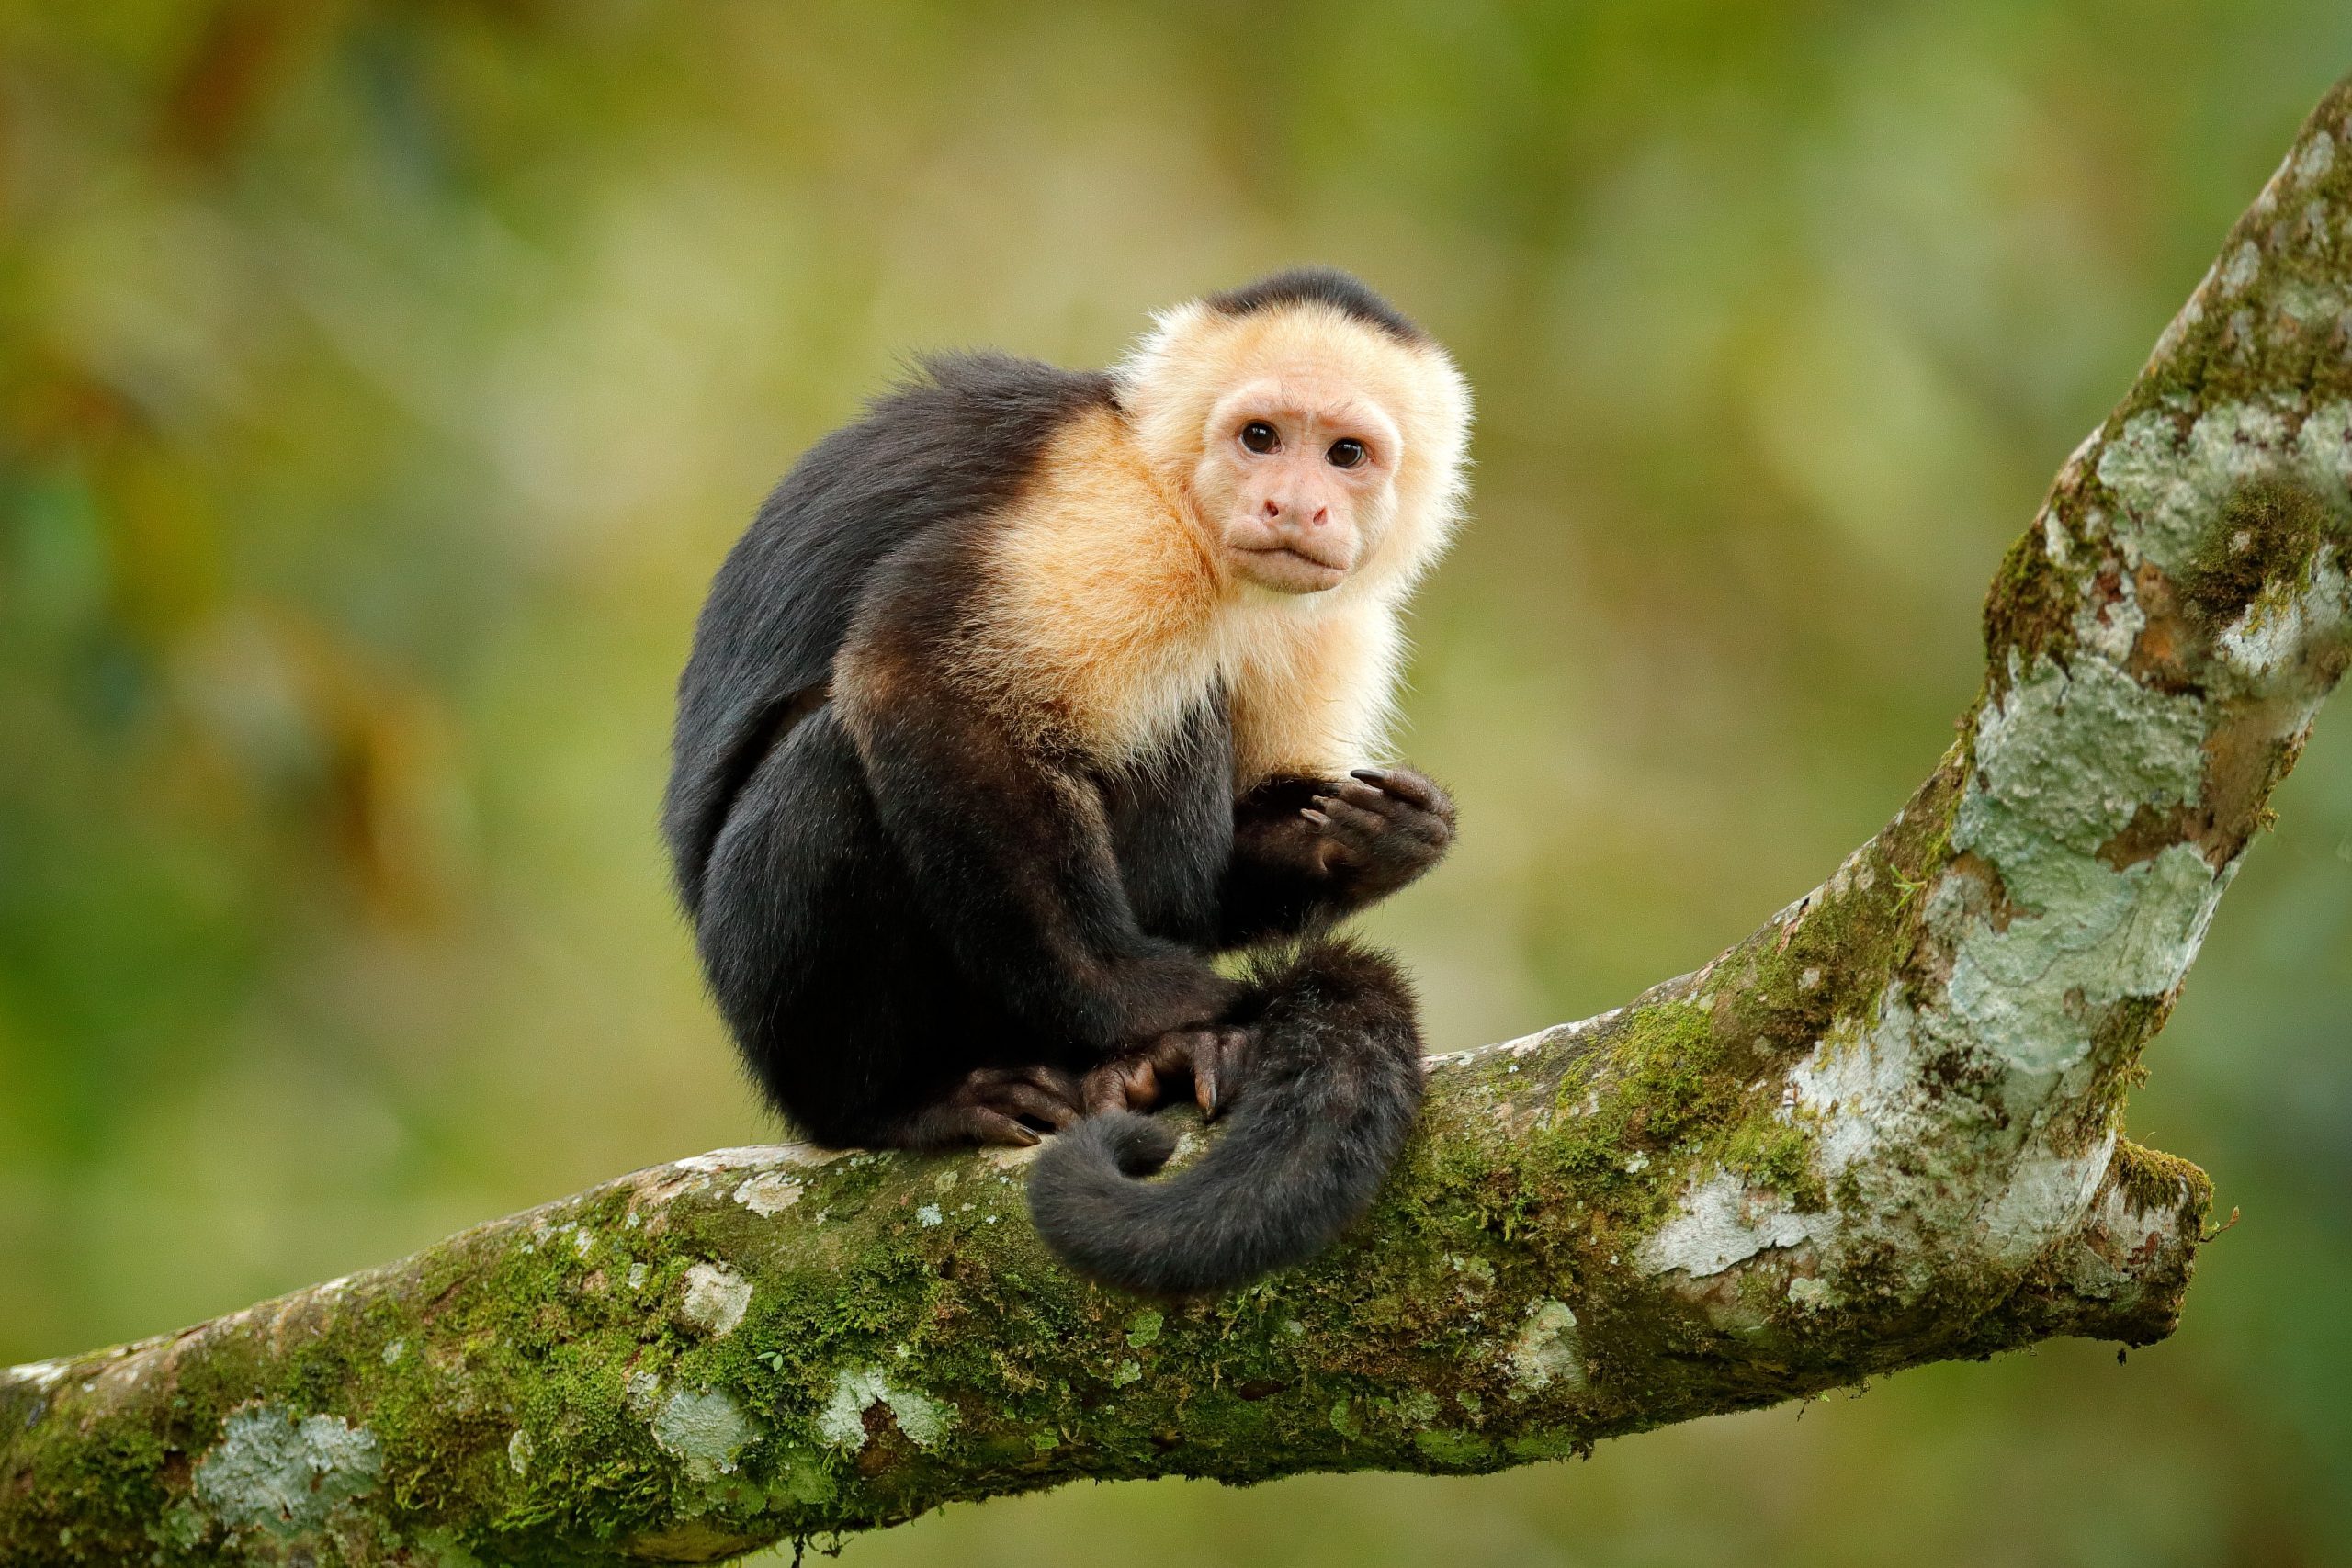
[(1260, 437), (1347, 452)]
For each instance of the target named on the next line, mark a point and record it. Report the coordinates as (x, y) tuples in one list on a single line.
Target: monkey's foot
[(1209, 1058), (996, 1105), (1387, 825)]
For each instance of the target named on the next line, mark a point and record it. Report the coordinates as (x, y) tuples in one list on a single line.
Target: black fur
[(1332, 1087), (957, 442), (901, 902), (1319, 286)]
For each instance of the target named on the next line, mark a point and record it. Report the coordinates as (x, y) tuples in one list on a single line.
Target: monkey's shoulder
[(959, 441), (966, 435), (1093, 596)]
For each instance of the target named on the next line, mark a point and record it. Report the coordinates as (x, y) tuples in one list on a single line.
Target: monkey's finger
[(1400, 817), (1405, 784), (1353, 821), (1336, 843), (1392, 808)]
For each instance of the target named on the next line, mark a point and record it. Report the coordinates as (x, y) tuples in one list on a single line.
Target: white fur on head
[(1196, 352)]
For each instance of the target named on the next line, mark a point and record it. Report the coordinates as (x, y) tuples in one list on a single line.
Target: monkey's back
[(961, 440)]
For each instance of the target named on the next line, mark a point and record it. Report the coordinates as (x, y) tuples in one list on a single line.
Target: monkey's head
[(1319, 435)]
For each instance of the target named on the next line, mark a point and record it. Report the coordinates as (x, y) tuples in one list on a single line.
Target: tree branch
[(1879, 1132)]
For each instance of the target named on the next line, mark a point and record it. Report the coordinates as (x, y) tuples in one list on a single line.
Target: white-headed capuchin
[(1032, 690)]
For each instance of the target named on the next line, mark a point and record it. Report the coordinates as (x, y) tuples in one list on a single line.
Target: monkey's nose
[(1294, 515)]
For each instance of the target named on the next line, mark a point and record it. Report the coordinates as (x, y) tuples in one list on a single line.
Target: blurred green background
[(379, 385)]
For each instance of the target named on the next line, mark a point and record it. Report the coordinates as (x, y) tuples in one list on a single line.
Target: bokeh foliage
[(379, 384)]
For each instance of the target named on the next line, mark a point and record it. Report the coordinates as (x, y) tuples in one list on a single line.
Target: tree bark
[(1879, 1132)]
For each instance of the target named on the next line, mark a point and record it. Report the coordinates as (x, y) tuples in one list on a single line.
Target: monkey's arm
[(1013, 863), (1309, 852)]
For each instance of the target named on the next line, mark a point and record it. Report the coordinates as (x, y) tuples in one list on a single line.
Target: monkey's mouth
[(1287, 570)]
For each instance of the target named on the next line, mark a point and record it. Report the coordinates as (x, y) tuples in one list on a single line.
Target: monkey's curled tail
[(1327, 1097)]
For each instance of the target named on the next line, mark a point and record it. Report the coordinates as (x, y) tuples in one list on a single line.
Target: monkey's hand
[(1209, 1059), (1380, 829), (1307, 852)]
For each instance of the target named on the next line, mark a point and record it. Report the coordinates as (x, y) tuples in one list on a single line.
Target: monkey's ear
[(1433, 478), (1171, 378)]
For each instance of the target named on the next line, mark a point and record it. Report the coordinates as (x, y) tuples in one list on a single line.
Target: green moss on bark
[(2271, 531)]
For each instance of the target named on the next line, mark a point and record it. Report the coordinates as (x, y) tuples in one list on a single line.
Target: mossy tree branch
[(1879, 1132)]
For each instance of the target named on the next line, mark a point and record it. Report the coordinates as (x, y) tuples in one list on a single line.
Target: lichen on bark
[(1883, 1130)]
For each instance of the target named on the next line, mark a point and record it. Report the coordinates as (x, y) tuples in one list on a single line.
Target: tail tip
[(1138, 1146)]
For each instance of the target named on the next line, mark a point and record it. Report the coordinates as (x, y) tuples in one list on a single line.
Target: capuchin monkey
[(1030, 693)]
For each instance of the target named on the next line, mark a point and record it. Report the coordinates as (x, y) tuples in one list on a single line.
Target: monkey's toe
[(1026, 1094), (1210, 1059), (955, 1124), (1123, 1083), (1011, 1105)]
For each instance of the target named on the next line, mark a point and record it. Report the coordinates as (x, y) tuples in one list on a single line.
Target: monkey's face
[(1298, 475)]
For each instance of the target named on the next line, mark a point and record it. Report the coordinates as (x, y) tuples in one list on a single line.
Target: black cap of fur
[(1324, 1106), (1318, 285)]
